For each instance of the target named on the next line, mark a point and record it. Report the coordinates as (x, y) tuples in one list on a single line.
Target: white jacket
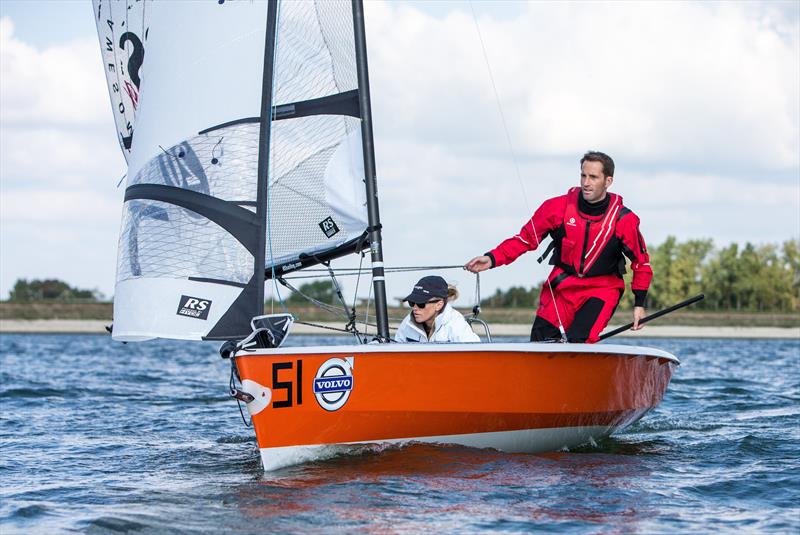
[(449, 326)]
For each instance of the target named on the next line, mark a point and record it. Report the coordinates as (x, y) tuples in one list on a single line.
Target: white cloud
[(59, 163), (669, 83), (60, 85)]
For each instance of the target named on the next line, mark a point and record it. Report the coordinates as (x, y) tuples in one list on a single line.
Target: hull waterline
[(311, 403)]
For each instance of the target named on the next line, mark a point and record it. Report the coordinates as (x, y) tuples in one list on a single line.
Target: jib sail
[(246, 159)]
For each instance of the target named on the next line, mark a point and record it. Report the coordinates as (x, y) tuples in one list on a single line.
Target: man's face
[(593, 183)]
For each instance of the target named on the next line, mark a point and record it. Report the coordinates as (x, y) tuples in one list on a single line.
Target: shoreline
[(9, 326)]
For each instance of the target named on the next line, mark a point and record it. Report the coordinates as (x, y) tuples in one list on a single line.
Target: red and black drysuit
[(589, 241)]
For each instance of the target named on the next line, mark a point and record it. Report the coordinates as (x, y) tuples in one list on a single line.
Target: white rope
[(514, 159)]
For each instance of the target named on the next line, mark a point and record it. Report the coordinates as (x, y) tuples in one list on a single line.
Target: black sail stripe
[(240, 222), (339, 104)]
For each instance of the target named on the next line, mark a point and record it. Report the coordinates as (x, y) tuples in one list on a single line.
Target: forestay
[(216, 197)]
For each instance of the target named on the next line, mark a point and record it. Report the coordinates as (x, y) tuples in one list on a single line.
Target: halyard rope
[(514, 159)]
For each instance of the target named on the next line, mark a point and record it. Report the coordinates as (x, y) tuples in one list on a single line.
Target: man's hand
[(638, 314), (478, 264)]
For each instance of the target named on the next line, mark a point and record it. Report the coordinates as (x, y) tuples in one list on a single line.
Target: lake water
[(101, 437)]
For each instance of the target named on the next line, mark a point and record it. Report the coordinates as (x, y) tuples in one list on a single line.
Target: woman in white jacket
[(432, 319)]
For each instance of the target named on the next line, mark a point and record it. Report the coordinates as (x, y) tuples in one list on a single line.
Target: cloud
[(59, 164), (57, 86), (670, 84)]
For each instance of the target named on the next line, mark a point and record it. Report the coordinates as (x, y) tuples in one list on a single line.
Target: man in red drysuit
[(591, 232)]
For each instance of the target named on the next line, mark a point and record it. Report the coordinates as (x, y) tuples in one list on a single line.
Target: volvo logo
[(333, 383)]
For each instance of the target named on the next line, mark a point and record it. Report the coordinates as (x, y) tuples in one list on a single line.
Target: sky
[(698, 103)]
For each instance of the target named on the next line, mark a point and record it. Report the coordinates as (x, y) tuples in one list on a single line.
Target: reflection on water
[(424, 487)]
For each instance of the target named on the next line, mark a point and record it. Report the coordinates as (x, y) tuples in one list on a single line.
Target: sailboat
[(247, 131)]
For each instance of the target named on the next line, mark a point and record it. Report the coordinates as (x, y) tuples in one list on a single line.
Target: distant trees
[(25, 291), (760, 278), (514, 297), (322, 291), (679, 271)]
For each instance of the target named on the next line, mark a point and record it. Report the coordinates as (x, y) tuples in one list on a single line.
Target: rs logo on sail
[(194, 307)]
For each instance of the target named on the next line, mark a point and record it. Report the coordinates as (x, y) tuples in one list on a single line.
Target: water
[(101, 437)]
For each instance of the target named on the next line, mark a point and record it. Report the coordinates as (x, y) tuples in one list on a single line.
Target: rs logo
[(194, 307), (196, 304)]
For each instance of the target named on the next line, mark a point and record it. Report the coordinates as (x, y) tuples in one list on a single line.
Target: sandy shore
[(650, 331)]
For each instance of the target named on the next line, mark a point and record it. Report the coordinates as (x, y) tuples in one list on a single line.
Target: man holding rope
[(591, 231)]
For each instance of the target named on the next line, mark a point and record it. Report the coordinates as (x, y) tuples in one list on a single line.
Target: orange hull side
[(403, 395)]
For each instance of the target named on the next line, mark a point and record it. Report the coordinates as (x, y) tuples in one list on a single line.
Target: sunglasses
[(423, 305)]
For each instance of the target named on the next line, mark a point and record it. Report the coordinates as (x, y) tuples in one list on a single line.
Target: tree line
[(755, 278), (25, 291)]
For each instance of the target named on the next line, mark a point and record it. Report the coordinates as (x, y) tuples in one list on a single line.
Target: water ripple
[(98, 437)]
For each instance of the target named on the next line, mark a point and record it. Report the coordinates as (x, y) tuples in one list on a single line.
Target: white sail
[(317, 199), (196, 235), (123, 34)]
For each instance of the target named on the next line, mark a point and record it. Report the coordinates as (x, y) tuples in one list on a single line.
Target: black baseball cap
[(430, 287)]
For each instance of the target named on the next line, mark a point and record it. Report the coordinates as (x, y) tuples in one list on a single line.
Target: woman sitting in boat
[(432, 319)]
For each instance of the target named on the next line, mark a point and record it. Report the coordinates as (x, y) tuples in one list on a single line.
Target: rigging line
[(500, 107), (352, 272), (317, 325), (324, 306), (269, 161), (358, 280), (366, 313), (339, 329), (396, 268), (351, 314), (514, 159), (477, 308)]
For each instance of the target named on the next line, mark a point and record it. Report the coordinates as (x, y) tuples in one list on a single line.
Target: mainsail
[(247, 158)]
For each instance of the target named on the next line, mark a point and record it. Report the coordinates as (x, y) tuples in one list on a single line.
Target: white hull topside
[(518, 441)]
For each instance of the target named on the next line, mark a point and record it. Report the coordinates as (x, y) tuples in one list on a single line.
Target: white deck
[(525, 347)]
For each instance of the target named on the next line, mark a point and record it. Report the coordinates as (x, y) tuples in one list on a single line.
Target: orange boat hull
[(513, 397)]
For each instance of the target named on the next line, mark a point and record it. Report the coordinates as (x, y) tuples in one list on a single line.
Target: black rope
[(350, 314), (324, 306), (232, 386), (477, 308), (317, 325), (366, 324)]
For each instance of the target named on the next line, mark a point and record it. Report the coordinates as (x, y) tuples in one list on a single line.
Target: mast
[(263, 151), (376, 245)]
